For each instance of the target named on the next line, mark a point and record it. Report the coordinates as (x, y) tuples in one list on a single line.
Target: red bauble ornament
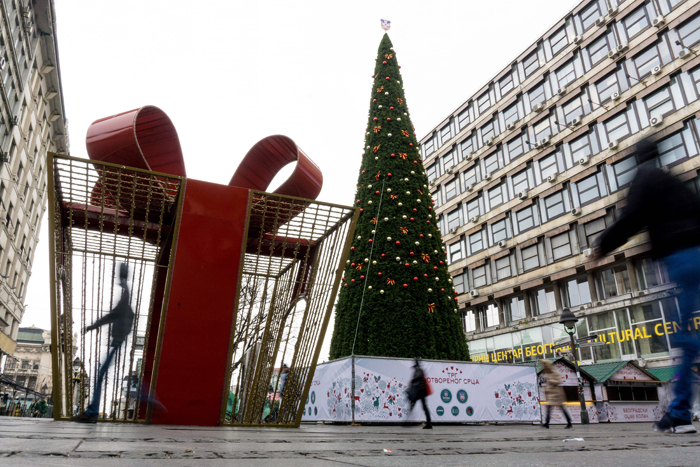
[(425, 275), (415, 278), (427, 222), (379, 274), (388, 78), (412, 219), (393, 155), (375, 119), (411, 144), (442, 290), (391, 108), (415, 162), (414, 209), (370, 240), (398, 242), (374, 100), (352, 264), (421, 235), (353, 248), (388, 119), (376, 192), (362, 210), (362, 277), (411, 253), (352, 280), (407, 265), (345, 285), (435, 267), (388, 175), (405, 286), (358, 200), (440, 262), (383, 255), (384, 62), (363, 171), (456, 299), (455, 292), (429, 208)]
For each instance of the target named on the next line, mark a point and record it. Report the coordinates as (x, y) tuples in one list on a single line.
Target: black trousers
[(563, 409), (425, 409)]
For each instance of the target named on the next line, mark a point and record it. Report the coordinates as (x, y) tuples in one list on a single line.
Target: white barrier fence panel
[(462, 392)]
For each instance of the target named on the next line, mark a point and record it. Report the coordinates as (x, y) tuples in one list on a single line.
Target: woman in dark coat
[(418, 391)]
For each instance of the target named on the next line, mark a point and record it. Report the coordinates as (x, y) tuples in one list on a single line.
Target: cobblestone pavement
[(41, 442)]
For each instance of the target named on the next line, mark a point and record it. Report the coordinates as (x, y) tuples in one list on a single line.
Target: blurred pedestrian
[(553, 393), (121, 317), (418, 390), (661, 203)]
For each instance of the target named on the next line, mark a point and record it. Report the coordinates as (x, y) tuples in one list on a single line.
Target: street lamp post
[(569, 320)]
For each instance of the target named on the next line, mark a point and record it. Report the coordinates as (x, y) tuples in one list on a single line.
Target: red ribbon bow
[(404, 230), (431, 308), (426, 257), (390, 281)]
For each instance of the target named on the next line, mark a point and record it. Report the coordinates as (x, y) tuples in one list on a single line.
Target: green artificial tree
[(396, 276)]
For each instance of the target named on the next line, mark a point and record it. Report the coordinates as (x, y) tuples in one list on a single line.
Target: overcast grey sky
[(229, 73)]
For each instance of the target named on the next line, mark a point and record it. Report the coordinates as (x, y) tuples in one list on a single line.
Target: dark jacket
[(418, 389), (661, 203), (121, 318)]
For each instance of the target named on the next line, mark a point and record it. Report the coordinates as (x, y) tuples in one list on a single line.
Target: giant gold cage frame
[(290, 271)]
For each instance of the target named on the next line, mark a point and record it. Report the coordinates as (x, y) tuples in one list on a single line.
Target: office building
[(528, 172)]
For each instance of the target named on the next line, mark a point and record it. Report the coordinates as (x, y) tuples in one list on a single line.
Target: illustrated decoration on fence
[(226, 283)]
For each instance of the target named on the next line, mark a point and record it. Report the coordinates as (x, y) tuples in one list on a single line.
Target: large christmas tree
[(396, 277)]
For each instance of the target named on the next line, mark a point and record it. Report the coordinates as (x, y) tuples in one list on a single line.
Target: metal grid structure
[(290, 274), (104, 214)]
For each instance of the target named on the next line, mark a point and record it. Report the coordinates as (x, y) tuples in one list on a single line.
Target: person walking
[(121, 317), (553, 393), (418, 390), (661, 203)]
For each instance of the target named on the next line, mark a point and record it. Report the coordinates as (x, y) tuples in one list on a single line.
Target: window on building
[(469, 177), (511, 114), (476, 242), (581, 147), (590, 14), (572, 109), (531, 64), (492, 315), (430, 146), (689, 32), (448, 160), (446, 133), (515, 308), (453, 220), (617, 128), (531, 258), (493, 162), (469, 324), (542, 129), (433, 171), (451, 189), (473, 208), (467, 146), (463, 119), (633, 393), (577, 291), (25, 365), (651, 273), (525, 218), (548, 166), (506, 84), (20, 170), (636, 22), (490, 130), (499, 231), (456, 252), (676, 148), (479, 275), (558, 41), (544, 300), (660, 103), (537, 95), (608, 284), (497, 195), (459, 282), (607, 86), (520, 181), (516, 147), (645, 319), (590, 188), (645, 62), (554, 205), (566, 74), (503, 268), (593, 229), (483, 102), (561, 246), (599, 49), (624, 171)]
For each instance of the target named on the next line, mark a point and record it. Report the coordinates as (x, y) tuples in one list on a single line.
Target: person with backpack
[(418, 390), (121, 317)]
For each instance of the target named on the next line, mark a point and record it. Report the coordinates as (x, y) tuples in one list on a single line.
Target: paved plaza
[(41, 442)]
